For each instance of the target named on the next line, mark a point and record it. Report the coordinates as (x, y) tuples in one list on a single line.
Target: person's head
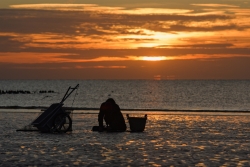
[(110, 100)]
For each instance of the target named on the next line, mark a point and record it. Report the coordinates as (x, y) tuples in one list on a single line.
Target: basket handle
[(127, 116)]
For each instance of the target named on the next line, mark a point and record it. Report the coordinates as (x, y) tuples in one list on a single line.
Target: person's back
[(111, 113)]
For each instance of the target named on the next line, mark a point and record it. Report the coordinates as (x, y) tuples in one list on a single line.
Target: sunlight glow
[(128, 34), (30, 58), (154, 58)]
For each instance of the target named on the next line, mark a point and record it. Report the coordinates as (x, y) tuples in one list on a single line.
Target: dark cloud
[(230, 68), (43, 21), (9, 45), (71, 24), (89, 35)]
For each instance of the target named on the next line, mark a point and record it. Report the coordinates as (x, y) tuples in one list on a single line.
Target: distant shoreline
[(84, 110)]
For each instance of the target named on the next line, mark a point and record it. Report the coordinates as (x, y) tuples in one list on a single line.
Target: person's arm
[(121, 125)]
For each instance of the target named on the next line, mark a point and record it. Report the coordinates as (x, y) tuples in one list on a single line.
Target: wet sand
[(168, 140)]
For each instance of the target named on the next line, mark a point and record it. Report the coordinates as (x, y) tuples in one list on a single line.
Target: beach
[(183, 139)]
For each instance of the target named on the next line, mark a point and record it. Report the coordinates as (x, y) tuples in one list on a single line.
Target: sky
[(139, 39)]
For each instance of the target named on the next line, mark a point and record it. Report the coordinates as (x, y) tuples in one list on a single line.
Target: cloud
[(90, 32), (216, 5), (52, 6), (75, 41), (100, 9), (101, 67)]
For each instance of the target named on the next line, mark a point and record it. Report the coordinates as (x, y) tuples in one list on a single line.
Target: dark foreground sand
[(168, 140)]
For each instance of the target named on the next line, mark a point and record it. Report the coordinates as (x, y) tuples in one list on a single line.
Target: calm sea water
[(219, 95)]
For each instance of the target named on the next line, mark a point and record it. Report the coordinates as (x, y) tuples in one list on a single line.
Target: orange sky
[(147, 41)]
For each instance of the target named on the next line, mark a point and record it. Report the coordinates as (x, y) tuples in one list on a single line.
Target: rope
[(73, 103), (74, 98)]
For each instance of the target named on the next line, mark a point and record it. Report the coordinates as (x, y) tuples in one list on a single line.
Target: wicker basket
[(137, 124)]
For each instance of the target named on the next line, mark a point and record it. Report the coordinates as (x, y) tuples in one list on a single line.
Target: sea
[(155, 95)]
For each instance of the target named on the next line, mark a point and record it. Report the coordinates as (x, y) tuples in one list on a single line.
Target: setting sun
[(154, 58)]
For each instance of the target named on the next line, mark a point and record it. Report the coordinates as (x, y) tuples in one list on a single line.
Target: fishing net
[(28, 128)]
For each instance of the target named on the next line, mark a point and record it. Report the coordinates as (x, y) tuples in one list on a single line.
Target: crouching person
[(111, 113)]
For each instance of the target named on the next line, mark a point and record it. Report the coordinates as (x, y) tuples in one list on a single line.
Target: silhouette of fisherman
[(111, 113)]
